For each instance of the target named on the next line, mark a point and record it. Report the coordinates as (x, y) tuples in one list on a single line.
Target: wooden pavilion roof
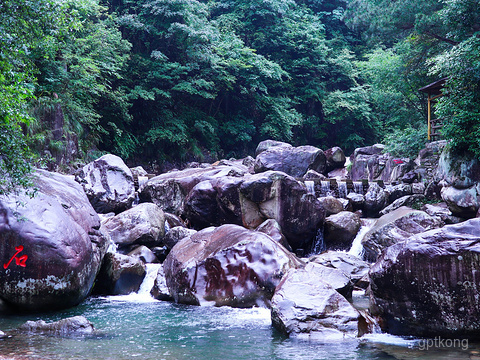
[(434, 88)]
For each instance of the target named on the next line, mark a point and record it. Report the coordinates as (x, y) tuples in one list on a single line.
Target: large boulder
[(428, 285), (214, 202), (335, 158), (341, 229), (375, 200), (395, 227), (462, 202), (458, 171), (142, 224), (275, 195), (334, 277), (395, 192), (170, 190), (160, 289), (294, 161), (408, 200), (51, 245), (372, 164), (266, 144), (306, 307), (228, 265), (108, 183), (330, 205), (349, 264), (120, 275), (442, 211)]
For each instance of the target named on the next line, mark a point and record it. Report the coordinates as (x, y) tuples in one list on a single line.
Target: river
[(138, 327)]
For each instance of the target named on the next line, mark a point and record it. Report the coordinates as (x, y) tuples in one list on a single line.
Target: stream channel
[(136, 326)]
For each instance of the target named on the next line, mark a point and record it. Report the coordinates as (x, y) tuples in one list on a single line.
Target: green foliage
[(178, 79), (19, 27), (420, 203), (425, 41), (461, 106), (406, 142), (78, 69)]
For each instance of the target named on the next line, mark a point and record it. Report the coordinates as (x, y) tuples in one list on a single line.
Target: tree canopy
[(177, 80)]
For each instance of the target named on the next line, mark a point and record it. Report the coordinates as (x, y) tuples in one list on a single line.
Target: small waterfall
[(358, 187), (325, 188), (142, 180), (318, 245), (310, 185), (143, 295), (149, 281), (342, 190), (136, 200), (357, 247)]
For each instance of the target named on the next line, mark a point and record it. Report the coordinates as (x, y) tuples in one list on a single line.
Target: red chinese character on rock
[(20, 261)]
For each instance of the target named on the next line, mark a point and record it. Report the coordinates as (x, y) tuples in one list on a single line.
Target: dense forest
[(181, 80)]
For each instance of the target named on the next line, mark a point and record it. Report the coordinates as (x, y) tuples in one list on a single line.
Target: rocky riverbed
[(269, 231)]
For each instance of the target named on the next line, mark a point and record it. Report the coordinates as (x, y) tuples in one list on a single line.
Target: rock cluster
[(229, 233)]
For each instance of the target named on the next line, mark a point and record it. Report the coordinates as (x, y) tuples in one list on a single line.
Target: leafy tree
[(77, 69), (21, 25), (461, 64), (424, 41)]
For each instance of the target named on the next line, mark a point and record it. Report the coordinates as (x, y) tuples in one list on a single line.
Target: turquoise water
[(134, 328)]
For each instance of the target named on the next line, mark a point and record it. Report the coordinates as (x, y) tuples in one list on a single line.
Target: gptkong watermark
[(440, 343)]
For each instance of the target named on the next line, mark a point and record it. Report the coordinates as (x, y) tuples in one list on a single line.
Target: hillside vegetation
[(179, 80)]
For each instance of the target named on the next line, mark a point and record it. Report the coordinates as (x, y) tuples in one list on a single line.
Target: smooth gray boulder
[(349, 264), (330, 205), (120, 275), (142, 224), (334, 277), (294, 161), (340, 230), (108, 183), (266, 144), (462, 202), (307, 308), (160, 289), (394, 227), (73, 326)]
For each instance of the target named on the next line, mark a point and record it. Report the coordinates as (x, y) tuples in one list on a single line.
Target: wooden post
[(429, 117)]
